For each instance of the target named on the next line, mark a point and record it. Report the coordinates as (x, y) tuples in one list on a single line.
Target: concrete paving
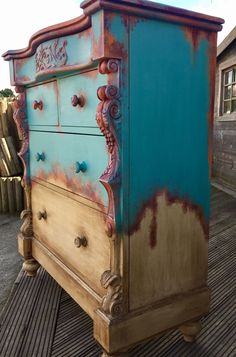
[(10, 260)]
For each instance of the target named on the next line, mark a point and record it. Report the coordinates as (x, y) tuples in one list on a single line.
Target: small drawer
[(71, 161), (42, 108), (81, 243), (78, 99)]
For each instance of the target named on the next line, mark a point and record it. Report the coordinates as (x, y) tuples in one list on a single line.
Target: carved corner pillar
[(108, 118), (26, 230), (112, 301)]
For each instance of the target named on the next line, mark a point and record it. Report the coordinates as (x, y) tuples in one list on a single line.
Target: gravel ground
[(10, 260)]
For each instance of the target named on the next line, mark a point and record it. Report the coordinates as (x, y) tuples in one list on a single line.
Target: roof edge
[(226, 42)]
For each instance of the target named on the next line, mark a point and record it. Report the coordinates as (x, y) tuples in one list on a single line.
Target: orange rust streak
[(134, 20), (97, 45), (153, 206), (60, 178), (194, 36), (116, 49)]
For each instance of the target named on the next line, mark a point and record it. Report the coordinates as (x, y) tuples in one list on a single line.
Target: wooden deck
[(41, 320)]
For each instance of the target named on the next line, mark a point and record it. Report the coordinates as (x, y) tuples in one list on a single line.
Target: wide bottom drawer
[(74, 233)]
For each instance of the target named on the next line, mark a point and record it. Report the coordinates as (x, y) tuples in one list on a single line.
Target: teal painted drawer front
[(84, 86), (42, 108), (54, 158)]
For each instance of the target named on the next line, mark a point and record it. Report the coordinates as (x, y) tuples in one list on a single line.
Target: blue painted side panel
[(47, 93), (62, 151), (86, 85), (169, 116)]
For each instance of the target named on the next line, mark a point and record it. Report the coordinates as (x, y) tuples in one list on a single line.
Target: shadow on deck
[(42, 320)]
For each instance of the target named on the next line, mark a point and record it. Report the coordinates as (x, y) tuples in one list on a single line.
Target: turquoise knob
[(80, 166), (40, 157)]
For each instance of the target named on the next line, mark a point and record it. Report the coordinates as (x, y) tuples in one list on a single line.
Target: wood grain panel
[(66, 220), (178, 261)]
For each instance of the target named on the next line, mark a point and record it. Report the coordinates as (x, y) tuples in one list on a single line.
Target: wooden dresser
[(115, 109)]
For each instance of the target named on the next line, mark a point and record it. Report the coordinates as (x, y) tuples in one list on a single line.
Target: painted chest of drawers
[(115, 108)]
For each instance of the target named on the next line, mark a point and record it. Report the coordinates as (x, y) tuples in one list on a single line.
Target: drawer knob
[(80, 242), (40, 157), (37, 105), (75, 100), (42, 215), (80, 166)]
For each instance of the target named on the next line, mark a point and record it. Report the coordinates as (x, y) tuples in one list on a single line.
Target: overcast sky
[(20, 19)]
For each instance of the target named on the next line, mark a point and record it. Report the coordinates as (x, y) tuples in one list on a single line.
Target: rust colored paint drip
[(18, 64), (73, 184), (194, 36), (188, 206), (116, 49), (97, 43), (133, 21), (153, 225), (170, 200)]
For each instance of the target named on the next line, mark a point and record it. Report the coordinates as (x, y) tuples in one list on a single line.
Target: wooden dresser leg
[(31, 266), (190, 330)]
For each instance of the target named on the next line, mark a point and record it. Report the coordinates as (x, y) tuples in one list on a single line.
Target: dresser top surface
[(145, 6), (141, 8)]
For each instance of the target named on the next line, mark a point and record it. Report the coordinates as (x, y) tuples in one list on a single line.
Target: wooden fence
[(11, 193)]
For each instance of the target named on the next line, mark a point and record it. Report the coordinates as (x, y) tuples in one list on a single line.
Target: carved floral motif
[(51, 56), (112, 301)]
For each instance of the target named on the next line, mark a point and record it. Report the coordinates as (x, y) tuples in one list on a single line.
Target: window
[(229, 91)]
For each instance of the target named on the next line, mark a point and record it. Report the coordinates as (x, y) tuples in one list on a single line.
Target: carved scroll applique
[(22, 126), (112, 301), (51, 56), (108, 119)]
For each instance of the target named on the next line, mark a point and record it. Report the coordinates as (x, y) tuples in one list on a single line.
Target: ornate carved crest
[(51, 56), (112, 301)]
